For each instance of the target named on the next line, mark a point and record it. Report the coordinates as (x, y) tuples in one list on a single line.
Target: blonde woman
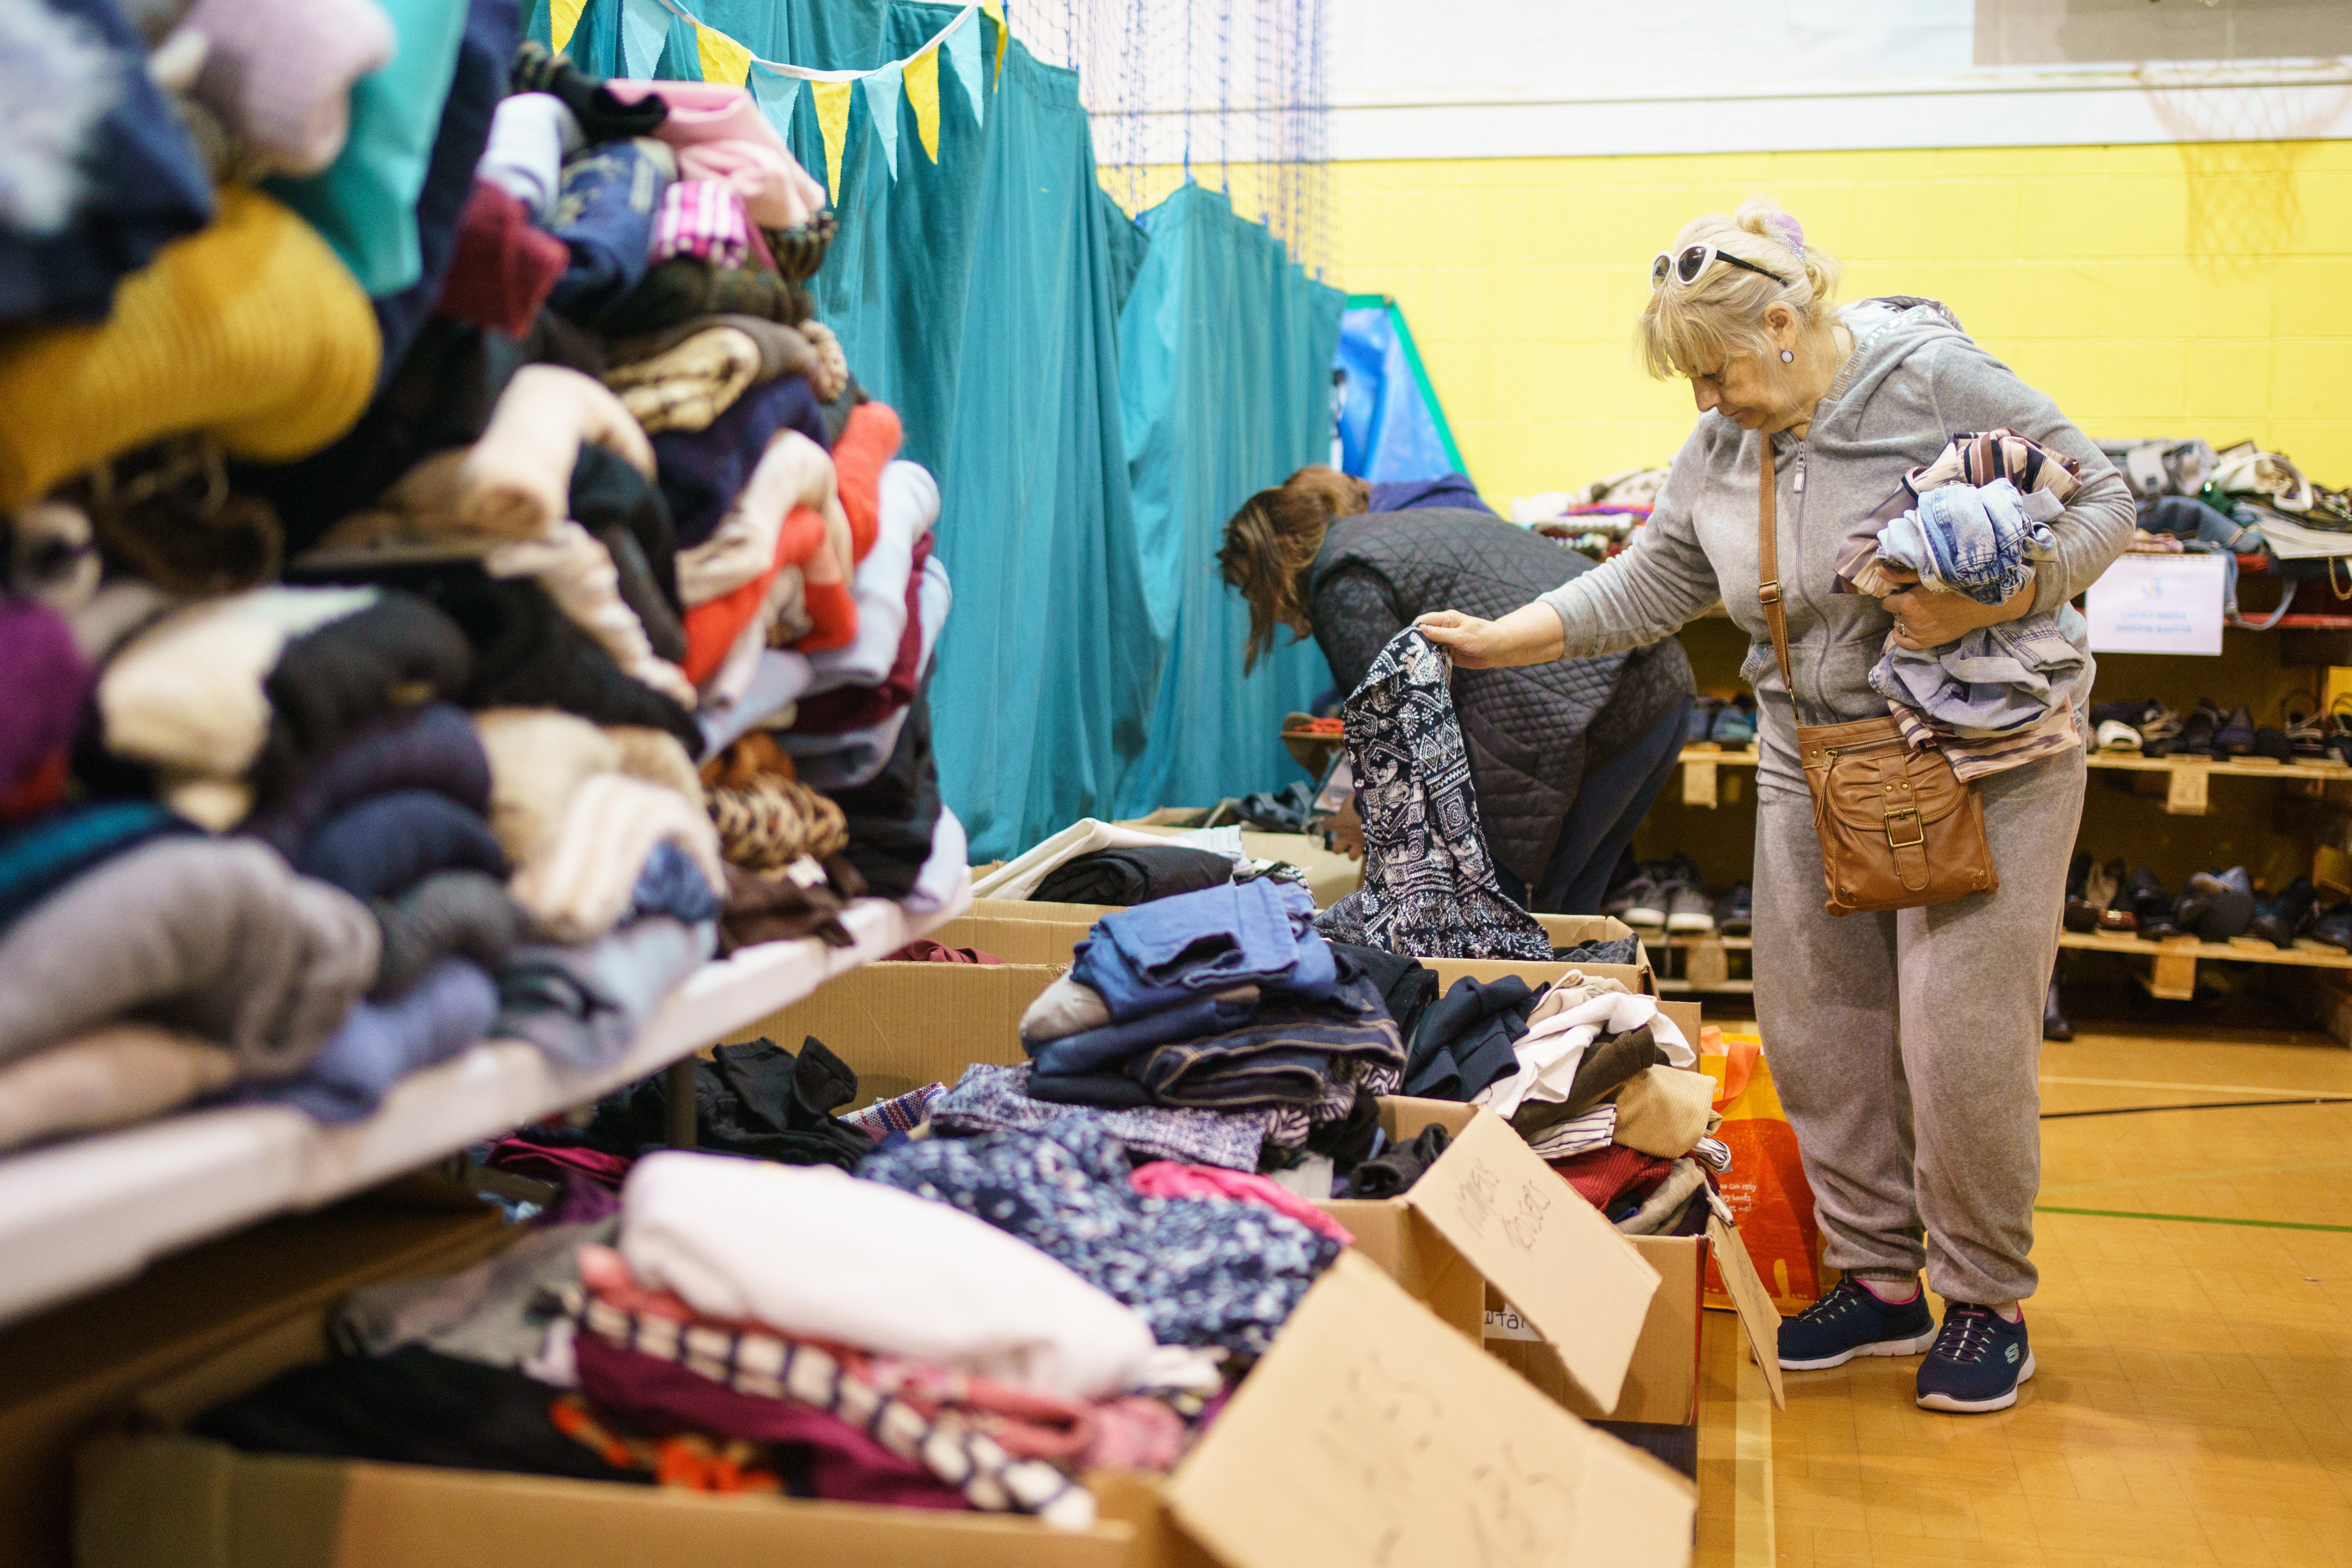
[(1904, 1045)]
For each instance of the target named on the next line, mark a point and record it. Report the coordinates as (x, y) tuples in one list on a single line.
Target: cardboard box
[(1488, 1212), (1370, 1433), (902, 1026)]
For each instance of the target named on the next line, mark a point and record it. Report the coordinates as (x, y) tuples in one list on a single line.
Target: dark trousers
[(1608, 806)]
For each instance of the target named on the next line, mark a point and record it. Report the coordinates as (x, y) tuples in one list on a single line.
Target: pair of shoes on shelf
[(1729, 723), (2208, 731), (1975, 1361), (2094, 897), (2216, 905), (2279, 920), (1664, 895), (2141, 724)]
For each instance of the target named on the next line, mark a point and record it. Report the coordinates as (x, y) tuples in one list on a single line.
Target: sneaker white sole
[(1946, 1403), (1912, 1346), (1689, 923), (1640, 917)]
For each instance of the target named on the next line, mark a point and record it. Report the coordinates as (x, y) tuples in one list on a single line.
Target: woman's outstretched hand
[(1529, 635)]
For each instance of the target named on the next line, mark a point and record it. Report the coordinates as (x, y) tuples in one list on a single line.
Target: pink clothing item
[(1167, 1179), (720, 134), (705, 218)]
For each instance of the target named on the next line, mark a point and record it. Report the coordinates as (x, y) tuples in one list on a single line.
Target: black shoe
[(1735, 912), (2235, 738), (2274, 744), (2224, 903), (2197, 732), (2281, 919), (2151, 904), (2107, 891), (2081, 913), (2333, 927), (1851, 1322), (2054, 1026), (1979, 1360)]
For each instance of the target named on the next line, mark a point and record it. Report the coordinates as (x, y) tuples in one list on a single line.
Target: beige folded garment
[(1665, 1111)]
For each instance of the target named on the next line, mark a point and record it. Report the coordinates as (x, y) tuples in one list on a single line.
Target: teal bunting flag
[(882, 107)]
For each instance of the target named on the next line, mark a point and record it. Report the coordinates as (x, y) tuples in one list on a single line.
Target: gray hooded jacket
[(1913, 380)]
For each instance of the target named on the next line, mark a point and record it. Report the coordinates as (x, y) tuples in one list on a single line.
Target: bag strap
[(1768, 563)]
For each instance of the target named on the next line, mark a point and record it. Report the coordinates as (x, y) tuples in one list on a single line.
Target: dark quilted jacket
[(1526, 729)]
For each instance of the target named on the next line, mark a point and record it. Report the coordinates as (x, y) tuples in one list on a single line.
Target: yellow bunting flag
[(832, 99), (996, 13), (723, 60), (922, 84), (563, 20)]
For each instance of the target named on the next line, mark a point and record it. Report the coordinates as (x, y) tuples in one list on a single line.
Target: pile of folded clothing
[(1599, 1081), (1226, 999), (976, 1325), (450, 582)]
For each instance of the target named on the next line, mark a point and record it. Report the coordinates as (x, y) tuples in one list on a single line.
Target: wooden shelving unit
[(2186, 791)]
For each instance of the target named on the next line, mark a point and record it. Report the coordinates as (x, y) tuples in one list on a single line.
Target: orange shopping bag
[(1766, 1187)]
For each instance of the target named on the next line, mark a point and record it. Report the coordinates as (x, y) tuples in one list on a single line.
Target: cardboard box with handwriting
[(1370, 1434)]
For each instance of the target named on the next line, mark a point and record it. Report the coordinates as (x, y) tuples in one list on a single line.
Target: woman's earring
[(1788, 357)]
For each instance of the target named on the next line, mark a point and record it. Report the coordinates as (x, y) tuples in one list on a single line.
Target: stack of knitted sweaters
[(451, 585)]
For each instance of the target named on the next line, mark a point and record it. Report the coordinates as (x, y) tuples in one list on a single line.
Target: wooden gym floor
[(2193, 1340)]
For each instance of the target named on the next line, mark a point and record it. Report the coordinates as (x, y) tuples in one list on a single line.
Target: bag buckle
[(1919, 828), (1768, 592)]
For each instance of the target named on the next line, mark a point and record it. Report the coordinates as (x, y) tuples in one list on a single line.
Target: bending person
[(1565, 757), (1904, 1045)]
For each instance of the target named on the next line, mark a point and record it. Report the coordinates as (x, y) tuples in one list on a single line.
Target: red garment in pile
[(1607, 1177), (503, 268)]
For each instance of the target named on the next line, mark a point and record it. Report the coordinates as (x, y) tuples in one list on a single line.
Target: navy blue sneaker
[(1850, 1322), (1977, 1363)]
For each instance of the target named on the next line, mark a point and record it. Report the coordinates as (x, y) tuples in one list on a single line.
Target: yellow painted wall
[(2201, 290)]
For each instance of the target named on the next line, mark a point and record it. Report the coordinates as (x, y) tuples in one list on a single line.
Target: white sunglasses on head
[(1687, 266)]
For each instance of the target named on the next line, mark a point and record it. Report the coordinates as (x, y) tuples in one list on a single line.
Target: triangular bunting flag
[(645, 27), (563, 21), (922, 78), (996, 13), (723, 60), (963, 59), (832, 100), (775, 95), (882, 105)]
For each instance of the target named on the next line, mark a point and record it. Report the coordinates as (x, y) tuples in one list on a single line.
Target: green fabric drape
[(1224, 350), (1092, 659)]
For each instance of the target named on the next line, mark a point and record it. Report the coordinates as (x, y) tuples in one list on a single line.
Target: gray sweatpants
[(1905, 1046)]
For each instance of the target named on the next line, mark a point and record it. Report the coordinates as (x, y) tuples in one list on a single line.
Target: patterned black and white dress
[(1429, 886)]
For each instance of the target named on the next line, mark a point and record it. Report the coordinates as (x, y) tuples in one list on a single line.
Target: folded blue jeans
[(1092, 1050), (1992, 681), (1160, 954), (1189, 1075), (1977, 539)]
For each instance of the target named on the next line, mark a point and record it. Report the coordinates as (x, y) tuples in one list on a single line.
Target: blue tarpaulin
[(1392, 426)]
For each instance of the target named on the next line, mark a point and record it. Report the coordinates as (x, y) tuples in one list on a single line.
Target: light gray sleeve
[(1649, 590), (1974, 390)]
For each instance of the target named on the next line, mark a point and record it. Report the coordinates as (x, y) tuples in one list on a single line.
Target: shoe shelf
[(2186, 791), (74, 1216), (2173, 971), (1705, 964)]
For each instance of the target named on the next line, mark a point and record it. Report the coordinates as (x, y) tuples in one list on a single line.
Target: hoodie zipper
[(1798, 486)]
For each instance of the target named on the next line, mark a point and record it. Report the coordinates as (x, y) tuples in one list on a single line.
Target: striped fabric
[(904, 1114), (2047, 736), (772, 1366), (1966, 460), (1595, 1129), (1714, 1154), (705, 218)]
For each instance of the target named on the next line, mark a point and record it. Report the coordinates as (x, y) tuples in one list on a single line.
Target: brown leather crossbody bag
[(1899, 830)]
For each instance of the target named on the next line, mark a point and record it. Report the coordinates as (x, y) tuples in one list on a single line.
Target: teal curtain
[(1224, 382), (996, 299)]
